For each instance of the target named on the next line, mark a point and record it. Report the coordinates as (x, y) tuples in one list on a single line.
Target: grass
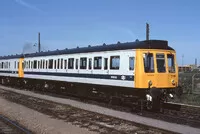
[(192, 99)]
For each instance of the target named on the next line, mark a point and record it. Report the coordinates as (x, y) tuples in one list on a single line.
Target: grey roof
[(150, 44)]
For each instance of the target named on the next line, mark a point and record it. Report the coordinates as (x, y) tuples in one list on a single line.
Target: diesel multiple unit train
[(146, 70)]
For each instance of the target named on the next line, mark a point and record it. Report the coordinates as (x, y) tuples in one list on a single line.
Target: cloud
[(27, 5)]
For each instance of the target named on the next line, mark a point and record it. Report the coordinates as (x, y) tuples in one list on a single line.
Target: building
[(186, 68)]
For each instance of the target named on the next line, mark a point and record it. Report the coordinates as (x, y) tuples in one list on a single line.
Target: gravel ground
[(81, 118), (38, 122)]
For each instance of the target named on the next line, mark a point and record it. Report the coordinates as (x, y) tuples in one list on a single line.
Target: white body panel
[(123, 69)]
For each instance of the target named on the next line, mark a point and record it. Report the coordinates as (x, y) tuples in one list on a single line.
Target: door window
[(160, 59), (131, 63), (148, 62)]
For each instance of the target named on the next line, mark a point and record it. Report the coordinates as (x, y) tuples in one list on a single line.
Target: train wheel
[(179, 91), (149, 105), (153, 105)]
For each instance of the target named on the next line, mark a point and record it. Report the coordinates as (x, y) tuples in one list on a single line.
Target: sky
[(71, 23)]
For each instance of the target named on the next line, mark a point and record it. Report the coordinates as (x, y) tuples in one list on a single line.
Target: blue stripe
[(96, 76)]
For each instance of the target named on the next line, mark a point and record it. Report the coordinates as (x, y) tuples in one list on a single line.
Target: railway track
[(93, 121), (171, 112), (9, 127)]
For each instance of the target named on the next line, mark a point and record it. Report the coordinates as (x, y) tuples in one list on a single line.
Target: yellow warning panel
[(21, 68)]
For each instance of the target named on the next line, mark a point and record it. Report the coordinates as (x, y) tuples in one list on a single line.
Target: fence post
[(192, 82)]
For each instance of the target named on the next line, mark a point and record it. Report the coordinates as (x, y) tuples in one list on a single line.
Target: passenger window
[(105, 63), (34, 64), (43, 64), (65, 64), (131, 63), (83, 63), (76, 63), (55, 64), (148, 62), (51, 64), (24, 64), (160, 59), (40, 64), (58, 64), (114, 62), (90, 63), (61, 65), (97, 62), (71, 63), (171, 63), (46, 64), (29, 64)]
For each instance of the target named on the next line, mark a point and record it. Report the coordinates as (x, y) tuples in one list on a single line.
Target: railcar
[(146, 70)]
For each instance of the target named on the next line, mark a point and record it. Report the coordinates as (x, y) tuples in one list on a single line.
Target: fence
[(190, 82)]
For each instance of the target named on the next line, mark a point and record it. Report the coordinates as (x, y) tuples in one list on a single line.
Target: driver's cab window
[(171, 63), (160, 59), (148, 62)]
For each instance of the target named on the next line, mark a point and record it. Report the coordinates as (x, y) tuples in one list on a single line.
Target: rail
[(14, 125)]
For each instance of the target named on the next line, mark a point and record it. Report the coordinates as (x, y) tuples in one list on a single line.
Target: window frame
[(82, 65), (61, 63), (90, 63), (145, 66), (173, 61), (70, 63), (65, 64), (111, 66), (105, 64), (99, 64), (34, 64), (133, 57), (162, 58), (76, 63), (50, 65)]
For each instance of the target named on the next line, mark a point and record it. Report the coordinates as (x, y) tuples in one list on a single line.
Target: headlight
[(173, 82), (150, 83)]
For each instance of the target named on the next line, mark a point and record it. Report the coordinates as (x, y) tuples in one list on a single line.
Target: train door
[(145, 69), (21, 68), (105, 69), (90, 65), (161, 72), (172, 70)]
